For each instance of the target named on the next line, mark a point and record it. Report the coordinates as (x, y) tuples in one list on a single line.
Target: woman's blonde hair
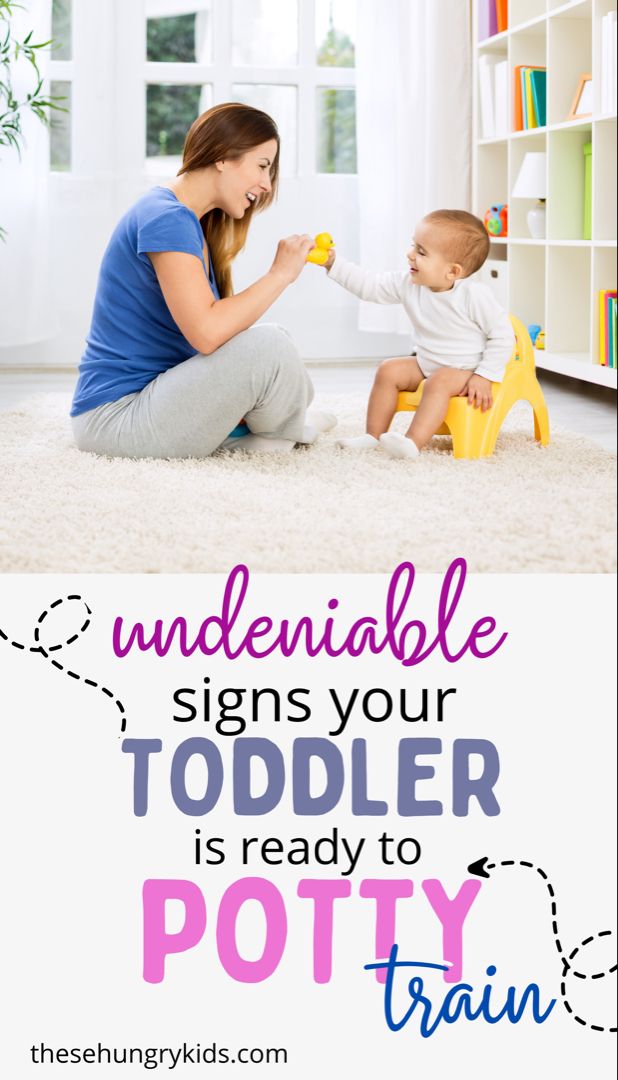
[(227, 132)]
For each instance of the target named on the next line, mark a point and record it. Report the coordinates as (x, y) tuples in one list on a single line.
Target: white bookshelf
[(553, 282)]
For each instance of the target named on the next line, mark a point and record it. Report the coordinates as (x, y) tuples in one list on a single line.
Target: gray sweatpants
[(190, 409)]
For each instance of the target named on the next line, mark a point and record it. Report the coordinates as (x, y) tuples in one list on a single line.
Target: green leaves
[(11, 109)]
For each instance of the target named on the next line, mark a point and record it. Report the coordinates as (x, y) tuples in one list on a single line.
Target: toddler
[(464, 339)]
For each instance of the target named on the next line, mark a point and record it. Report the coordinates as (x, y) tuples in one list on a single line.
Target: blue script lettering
[(457, 1002)]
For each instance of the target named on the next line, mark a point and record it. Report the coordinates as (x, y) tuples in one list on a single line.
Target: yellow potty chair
[(474, 433)]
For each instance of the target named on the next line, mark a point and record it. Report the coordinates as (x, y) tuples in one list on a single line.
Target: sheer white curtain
[(414, 127), (27, 311)]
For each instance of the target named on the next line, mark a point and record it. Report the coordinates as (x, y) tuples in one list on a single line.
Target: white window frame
[(306, 77)]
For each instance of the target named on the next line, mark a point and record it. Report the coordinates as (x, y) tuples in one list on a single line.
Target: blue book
[(538, 80)]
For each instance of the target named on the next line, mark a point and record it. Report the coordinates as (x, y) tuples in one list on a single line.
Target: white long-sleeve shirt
[(464, 327)]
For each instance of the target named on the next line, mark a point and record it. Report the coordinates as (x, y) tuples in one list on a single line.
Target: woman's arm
[(207, 323)]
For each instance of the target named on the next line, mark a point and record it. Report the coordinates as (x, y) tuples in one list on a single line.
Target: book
[(607, 327), (608, 333), (501, 98), (502, 15), (487, 19), (608, 63), (486, 95), (519, 97), (538, 81), (531, 119), (524, 98)]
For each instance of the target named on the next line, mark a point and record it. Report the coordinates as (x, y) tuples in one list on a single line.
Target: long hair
[(227, 132)]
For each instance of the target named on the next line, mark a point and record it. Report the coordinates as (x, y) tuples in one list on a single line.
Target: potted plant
[(12, 48)]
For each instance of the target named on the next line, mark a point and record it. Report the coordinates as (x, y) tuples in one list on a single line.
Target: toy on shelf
[(534, 330), (540, 341), (319, 254), (496, 220)]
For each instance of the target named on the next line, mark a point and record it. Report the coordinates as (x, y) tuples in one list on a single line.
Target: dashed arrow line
[(482, 867), (47, 651)]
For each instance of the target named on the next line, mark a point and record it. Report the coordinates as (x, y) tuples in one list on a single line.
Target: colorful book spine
[(487, 20), (493, 18), (502, 15), (529, 97), (607, 327), (538, 80)]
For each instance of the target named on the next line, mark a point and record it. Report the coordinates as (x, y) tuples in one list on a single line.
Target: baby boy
[(463, 337)]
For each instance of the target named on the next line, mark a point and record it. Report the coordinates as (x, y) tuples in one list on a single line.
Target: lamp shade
[(531, 181)]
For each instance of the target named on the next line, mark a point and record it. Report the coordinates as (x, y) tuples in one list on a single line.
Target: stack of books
[(494, 96), (493, 17), (529, 97), (607, 328), (608, 63)]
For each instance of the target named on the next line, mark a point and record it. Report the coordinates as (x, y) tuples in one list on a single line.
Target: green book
[(538, 80)]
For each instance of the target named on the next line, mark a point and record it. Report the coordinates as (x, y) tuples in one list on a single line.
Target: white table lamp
[(531, 183)]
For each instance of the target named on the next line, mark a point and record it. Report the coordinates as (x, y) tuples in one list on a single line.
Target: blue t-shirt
[(133, 337)]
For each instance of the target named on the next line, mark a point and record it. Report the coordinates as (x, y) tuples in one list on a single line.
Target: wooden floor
[(574, 406)]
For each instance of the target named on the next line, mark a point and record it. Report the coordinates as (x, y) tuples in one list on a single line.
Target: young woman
[(174, 366)]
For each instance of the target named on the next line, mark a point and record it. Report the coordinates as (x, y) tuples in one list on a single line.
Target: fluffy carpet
[(314, 510)]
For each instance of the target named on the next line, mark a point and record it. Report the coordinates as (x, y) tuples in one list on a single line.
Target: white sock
[(316, 423), (398, 446), (360, 442), (259, 444)]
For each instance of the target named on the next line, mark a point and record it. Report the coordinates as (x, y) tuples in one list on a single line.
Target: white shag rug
[(317, 509)]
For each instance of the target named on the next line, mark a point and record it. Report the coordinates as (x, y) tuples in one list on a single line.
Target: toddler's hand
[(332, 255), (478, 392)]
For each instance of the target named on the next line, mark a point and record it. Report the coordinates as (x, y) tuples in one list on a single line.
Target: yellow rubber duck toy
[(319, 254)]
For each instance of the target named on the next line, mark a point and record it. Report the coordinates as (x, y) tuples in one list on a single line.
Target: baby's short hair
[(467, 238)]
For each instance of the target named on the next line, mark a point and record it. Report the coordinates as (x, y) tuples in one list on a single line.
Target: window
[(293, 58), (61, 86)]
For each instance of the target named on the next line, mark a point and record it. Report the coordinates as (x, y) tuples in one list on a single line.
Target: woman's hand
[(291, 257), (332, 255)]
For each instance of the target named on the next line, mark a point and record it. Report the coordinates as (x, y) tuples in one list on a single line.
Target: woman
[(171, 367)]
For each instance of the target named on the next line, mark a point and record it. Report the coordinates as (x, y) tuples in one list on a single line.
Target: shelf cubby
[(569, 55), (528, 142), (604, 173), (529, 47), (566, 171), (493, 174), (527, 273), (568, 308), (603, 277), (523, 11)]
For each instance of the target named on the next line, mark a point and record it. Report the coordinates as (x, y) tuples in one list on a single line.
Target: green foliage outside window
[(171, 40), (336, 109), (172, 109)]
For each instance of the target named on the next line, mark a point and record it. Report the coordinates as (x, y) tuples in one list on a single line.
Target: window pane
[(265, 32), (60, 129), (336, 130), (61, 29), (335, 26), (280, 102), (170, 111), (183, 38)]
